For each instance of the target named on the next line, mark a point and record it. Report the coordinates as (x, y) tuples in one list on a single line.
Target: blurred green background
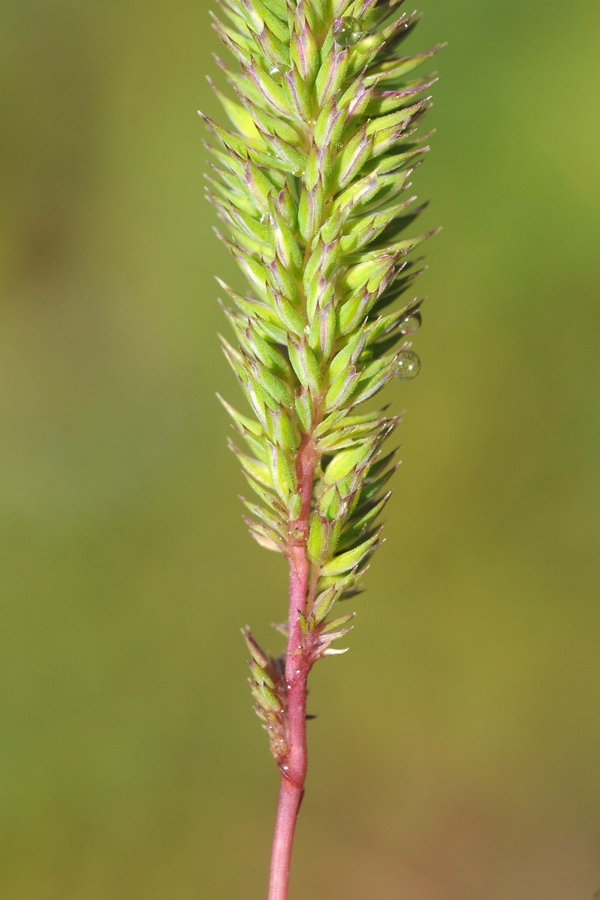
[(456, 753)]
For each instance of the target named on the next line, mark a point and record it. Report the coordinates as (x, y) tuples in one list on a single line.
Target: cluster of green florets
[(312, 185)]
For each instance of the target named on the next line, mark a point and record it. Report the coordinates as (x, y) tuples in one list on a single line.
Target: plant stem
[(290, 798), (297, 667)]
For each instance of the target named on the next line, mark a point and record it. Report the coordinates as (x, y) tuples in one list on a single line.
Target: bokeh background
[(456, 753)]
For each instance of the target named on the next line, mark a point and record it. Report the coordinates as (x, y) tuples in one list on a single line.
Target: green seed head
[(311, 184)]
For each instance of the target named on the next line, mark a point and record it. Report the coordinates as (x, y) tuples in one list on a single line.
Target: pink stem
[(297, 666)]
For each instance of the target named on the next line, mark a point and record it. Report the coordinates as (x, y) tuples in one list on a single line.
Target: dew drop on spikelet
[(347, 31), (408, 365)]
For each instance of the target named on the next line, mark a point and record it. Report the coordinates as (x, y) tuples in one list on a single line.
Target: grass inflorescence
[(312, 182)]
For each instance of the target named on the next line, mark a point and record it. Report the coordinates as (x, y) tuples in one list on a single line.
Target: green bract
[(311, 183)]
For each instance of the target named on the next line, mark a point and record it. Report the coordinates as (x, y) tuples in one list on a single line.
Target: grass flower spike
[(312, 183)]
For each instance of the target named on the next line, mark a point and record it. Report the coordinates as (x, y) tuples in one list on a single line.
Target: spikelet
[(312, 184)]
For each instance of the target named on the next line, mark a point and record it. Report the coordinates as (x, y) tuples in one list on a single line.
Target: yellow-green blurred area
[(456, 753)]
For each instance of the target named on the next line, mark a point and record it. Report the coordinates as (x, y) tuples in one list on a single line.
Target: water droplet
[(285, 768), (408, 365), (411, 323), (297, 173), (347, 31), (280, 69)]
